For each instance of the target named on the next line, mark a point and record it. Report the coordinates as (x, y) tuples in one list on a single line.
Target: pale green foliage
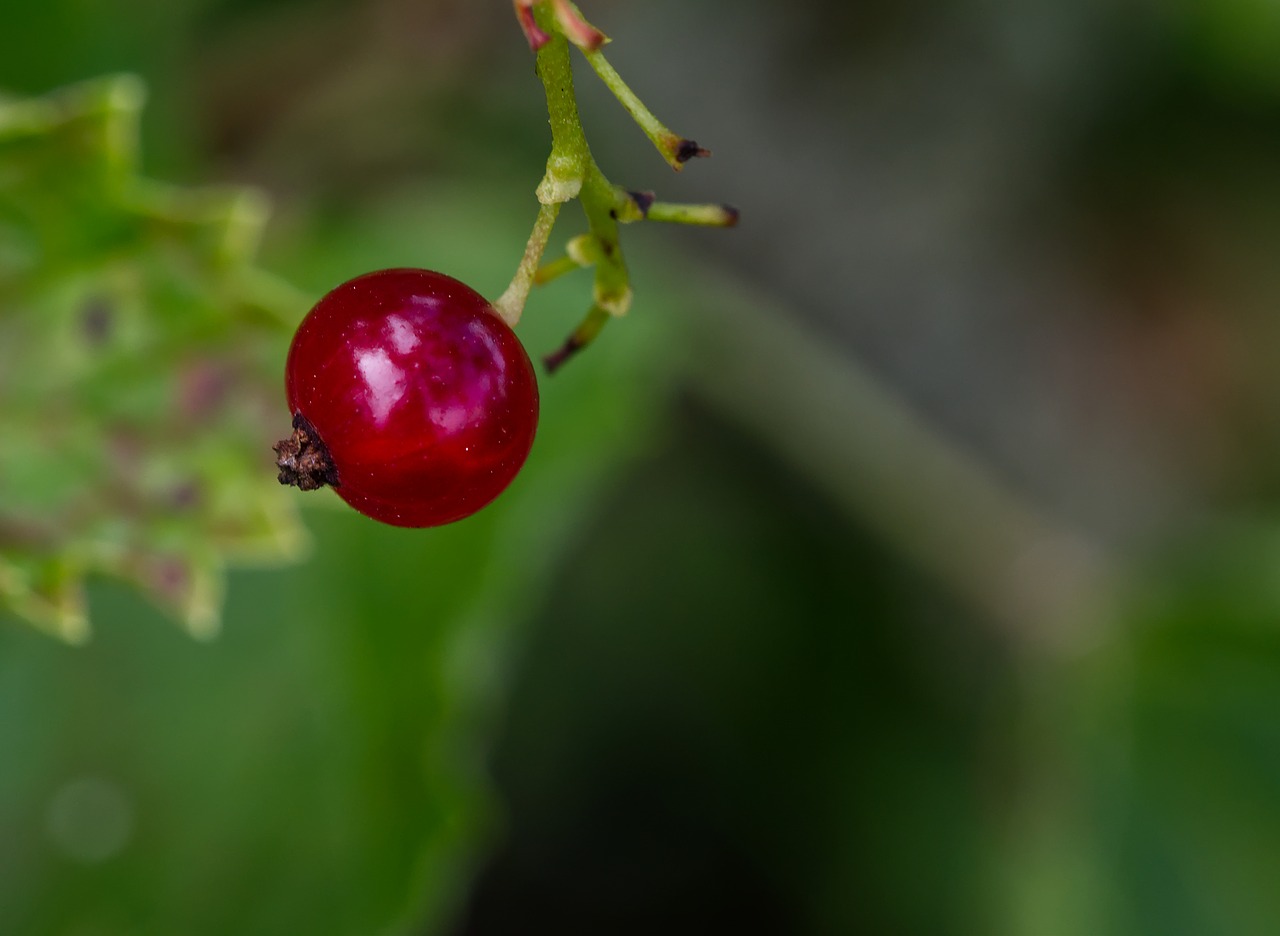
[(138, 354)]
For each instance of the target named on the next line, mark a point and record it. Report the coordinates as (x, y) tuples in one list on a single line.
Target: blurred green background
[(908, 561)]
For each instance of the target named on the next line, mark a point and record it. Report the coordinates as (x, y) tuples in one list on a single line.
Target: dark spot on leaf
[(185, 496), (96, 320), (170, 577), (203, 387)]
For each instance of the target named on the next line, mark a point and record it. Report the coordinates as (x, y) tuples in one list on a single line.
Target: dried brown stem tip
[(642, 201), (303, 460), (556, 359), (688, 149), (582, 336)]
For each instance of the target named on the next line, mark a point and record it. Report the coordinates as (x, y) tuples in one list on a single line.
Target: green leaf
[(138, 350)]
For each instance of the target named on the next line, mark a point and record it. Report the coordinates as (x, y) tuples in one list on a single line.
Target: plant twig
[(572, 172), (675, 149), (511, 303)]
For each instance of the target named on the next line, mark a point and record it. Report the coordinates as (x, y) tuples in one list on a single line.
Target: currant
[(410, 397)]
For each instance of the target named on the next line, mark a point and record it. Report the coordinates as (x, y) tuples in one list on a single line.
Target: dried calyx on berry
[(303, 460)]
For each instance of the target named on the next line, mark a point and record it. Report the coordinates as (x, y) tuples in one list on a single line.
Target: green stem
[(555, 269), (703, 215), (613, 283), (570, 155), (582, 251), (571, 173), (582, 336), (510, 304), (675, 149)]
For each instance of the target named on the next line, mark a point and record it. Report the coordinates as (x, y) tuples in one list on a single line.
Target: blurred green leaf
[(138, 352)]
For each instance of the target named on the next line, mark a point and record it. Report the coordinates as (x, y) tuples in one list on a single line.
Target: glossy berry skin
[(421, 398)]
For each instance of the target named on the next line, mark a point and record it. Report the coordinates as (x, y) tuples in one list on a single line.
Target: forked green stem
[(572, 172)]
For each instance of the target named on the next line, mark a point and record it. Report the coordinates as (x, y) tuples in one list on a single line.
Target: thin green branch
[(572, 172), (583, 251), (708, 215), (582, 336), (555, 269), (675, 149), (510, 304)]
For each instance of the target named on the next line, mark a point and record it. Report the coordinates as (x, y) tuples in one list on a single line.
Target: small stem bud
[(532, 31), (584, 250), (575, 27)]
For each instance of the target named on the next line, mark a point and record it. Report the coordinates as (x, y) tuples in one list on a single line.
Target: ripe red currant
[(410, 397)]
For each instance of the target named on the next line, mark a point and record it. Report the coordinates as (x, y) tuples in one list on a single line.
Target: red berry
[(410, 397)]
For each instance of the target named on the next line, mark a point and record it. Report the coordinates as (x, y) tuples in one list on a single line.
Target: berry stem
[(510, 304)]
